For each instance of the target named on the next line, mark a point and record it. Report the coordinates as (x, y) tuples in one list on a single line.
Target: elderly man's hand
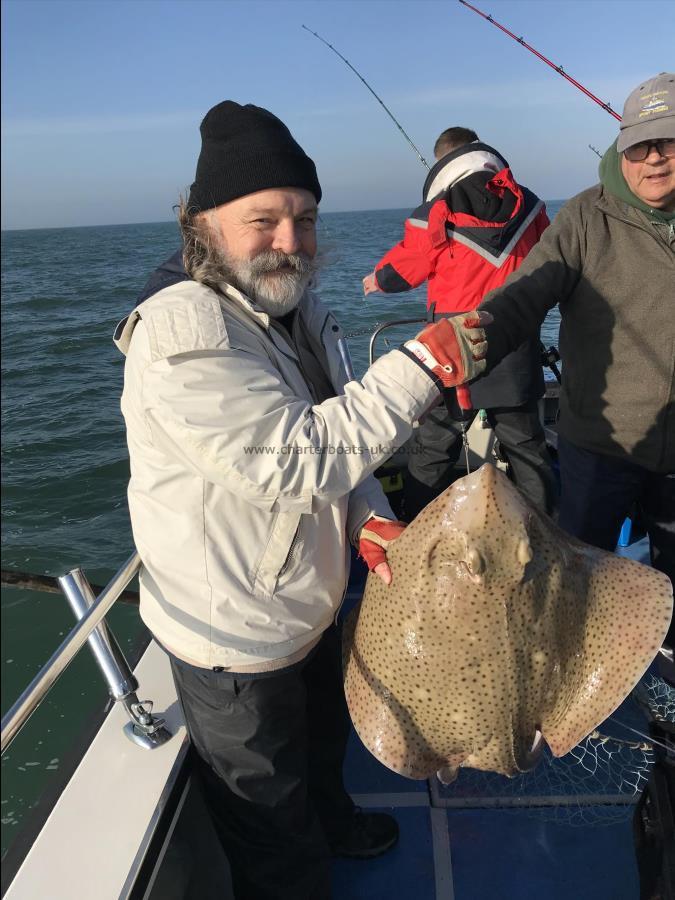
[(370, 285), (453, 349), (374, 539)]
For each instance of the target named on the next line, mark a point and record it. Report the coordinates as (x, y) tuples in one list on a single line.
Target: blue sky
[(102, 100)]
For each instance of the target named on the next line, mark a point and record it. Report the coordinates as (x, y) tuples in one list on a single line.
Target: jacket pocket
[(279, 554)]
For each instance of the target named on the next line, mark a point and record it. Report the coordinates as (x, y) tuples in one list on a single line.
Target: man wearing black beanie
[(252, 456), (247, 149)]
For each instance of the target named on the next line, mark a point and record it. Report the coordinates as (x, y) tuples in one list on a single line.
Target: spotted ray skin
[(497, 626)]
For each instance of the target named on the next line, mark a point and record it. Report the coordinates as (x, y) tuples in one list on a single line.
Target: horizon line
[(168, 221)]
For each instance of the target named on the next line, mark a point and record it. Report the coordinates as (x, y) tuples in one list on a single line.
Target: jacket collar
[(308, 305), (614, 206), (318, 321), (242, 300), (312, 312), (310, 309), (610, 205)]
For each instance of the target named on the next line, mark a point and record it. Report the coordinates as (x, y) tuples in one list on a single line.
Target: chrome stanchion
[(144, 729)]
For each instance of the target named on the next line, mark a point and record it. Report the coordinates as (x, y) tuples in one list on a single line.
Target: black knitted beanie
[(247, 149)]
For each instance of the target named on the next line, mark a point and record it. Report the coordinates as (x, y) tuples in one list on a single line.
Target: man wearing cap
[(251, 472), (608, 260), (475, 226)]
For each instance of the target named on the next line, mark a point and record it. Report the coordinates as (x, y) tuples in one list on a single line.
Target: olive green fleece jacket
[(613, 277)]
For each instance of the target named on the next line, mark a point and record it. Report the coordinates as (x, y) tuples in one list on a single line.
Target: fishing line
[(379, 99), (654, 742), (462, 392), (609, 739)]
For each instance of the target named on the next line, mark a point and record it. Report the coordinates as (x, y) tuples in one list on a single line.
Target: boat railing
[(385, 325), (143, 728)]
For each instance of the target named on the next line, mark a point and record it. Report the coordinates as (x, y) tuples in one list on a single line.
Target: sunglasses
[(640, 152)]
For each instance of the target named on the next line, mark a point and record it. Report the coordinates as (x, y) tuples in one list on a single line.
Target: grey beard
[(276, 294)]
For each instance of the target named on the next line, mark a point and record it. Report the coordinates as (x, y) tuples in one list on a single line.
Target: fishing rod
[(462, 391), (558, 69), (379, 99), (595, 150), (462, 394)]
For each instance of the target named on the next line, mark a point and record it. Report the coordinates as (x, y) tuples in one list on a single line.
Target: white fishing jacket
[(243, 491)]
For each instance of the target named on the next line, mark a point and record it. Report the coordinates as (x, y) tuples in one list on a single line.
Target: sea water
[(64, 456)]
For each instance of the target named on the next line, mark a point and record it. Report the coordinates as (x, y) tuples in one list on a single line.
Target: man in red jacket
[(474, 228)]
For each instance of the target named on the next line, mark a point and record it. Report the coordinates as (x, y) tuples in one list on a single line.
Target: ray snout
[(487, 494)]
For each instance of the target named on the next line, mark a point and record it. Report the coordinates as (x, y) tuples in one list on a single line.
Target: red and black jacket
[(464, 243)]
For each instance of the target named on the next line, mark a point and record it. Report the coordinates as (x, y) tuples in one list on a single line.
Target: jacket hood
[(614, 183), (460, 163)]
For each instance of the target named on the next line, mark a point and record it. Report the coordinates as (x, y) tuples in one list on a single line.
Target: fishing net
[(599, 781), (657, 698)]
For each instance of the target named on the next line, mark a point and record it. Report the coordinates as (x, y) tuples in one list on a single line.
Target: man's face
[(652, 180), (268, 241)]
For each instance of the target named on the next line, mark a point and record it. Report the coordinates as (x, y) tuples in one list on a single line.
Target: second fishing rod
[(549, 357), (461, 409), (462, 392)]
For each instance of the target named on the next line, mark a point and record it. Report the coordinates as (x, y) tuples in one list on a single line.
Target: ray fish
[(499, 633)]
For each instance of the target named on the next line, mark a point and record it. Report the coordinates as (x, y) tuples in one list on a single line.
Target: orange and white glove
[(374, 539), (453, 349)]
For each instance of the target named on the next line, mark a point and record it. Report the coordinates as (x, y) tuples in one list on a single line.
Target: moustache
[(269, 261)]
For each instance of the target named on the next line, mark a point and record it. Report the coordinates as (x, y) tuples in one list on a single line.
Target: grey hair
[(206, 262), (201, 257)]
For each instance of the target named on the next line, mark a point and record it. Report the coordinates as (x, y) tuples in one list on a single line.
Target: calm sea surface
[(63, 448)]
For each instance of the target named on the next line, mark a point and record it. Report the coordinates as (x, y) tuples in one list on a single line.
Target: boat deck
[(466, 852), (482, 853), (472, 851)]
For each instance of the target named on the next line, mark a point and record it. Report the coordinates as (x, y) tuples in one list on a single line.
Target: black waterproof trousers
[(437, 446), (599, 491), (271, 748)]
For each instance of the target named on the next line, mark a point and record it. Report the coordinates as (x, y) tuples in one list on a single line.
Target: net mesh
[(598, 782)]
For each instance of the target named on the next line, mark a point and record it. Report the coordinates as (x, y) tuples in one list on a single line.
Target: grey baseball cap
[(649, 112)]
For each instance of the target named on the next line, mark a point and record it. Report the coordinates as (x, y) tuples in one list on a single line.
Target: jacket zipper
[(342, 603), (290, 556)]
